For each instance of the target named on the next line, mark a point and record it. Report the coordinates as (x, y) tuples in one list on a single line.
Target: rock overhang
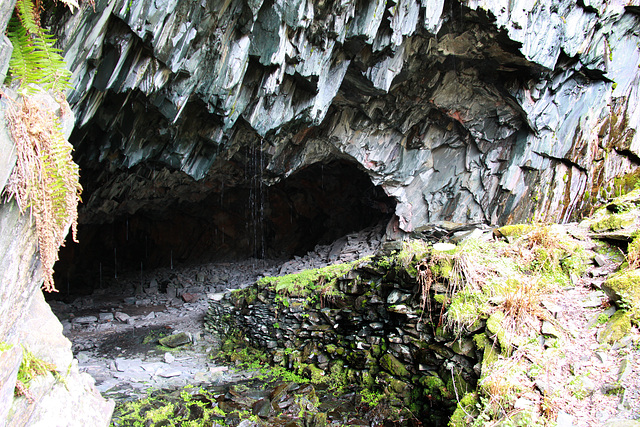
[(460, 111)]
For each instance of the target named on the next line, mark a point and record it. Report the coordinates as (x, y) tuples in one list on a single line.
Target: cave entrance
[(316, 205)]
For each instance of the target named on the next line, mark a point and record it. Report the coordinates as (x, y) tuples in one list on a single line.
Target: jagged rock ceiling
[(471, 111)]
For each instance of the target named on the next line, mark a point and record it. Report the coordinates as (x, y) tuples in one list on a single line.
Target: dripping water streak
[(171, 258)]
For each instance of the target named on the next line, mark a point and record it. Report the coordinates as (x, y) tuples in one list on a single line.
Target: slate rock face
[(477, 111)]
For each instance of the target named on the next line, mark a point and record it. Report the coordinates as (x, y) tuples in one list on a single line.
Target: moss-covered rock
[(617, 327), (434, 387), (623, 289), (393, 366), (513, 231), (613, 222)]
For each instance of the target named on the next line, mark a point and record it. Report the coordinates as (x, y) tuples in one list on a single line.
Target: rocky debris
[(348, 248), (110, 348)]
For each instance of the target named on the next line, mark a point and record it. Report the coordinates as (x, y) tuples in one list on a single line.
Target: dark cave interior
[(316, 205)]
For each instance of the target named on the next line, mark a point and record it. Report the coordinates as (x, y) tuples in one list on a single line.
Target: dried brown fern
[(45, 178)]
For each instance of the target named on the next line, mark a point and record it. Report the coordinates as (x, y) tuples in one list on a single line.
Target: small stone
[(465, 347), (602, 356), (85, 319), (124, 365), (625, 369), (150, 316), (594, 300), (106, 317), (200, 277), (189, 298), (552, 307), (218, 296), (397, 297), (170, 374), (82, 357), (443, 247), (600, 260), (376, 325), (549, 329), (522, 403), (169, 358), (564, 419), (175, 340), (130, 300), (122, 317)]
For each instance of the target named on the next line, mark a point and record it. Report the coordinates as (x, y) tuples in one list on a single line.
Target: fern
[(44, 179), (35, 59)]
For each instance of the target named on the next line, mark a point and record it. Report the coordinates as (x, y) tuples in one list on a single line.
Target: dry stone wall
[(374, 331)]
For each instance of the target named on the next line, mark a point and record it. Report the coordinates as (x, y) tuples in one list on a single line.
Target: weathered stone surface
[(176, 87), (76, 401), (10, 359), (27, 320)]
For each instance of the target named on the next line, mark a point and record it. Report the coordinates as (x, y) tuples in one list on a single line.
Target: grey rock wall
[(27, 322), (479, 111)]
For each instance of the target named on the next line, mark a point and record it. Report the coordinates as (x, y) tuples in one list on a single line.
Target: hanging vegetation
[(45, 177)]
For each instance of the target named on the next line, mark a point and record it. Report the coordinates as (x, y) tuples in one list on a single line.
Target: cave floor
[(115, 332)]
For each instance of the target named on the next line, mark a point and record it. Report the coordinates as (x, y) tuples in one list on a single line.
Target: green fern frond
[(35, 59)]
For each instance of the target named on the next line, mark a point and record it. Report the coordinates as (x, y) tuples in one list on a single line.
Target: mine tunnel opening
[(314, 206)]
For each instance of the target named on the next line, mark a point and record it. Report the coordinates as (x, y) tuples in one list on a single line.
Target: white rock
[(564, 419), (168, 357), (443, 247), (85, 319), (122, 317), (106, 317)]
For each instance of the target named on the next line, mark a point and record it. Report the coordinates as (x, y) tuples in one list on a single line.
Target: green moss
[(515, 230), (441, 298), (490, 353), (466, 411), (434, 387), (617, 327), (393, 366), (310, 284), (627, 183), (189, 406), (611, 223), (495, 327), (624, 289), (466, 309)]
